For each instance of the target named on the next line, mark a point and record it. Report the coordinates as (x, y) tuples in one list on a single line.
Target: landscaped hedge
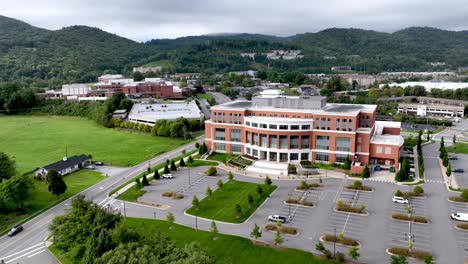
[(463, 226), (296, 201), (344, 240), (458, 199), (173, 195), (307, 164), (405, 217), (283, 229), (342, 207), (239, 162), (413, 253), (305, 186)]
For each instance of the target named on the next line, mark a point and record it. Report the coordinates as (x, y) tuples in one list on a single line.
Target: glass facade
[(343, 144), (305, 142), (294, 142), (322, 156), (322, 142), (235, 135), (284, 142), (220, 134), (273, 141)]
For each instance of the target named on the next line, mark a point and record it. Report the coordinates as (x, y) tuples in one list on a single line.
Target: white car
[(167, 176), (90, 167), (276, 218), (397, 199)]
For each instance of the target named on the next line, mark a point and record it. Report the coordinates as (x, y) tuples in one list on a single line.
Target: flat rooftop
[(165, 111)]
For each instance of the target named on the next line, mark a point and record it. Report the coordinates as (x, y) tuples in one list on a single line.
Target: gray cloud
[(146, 19)]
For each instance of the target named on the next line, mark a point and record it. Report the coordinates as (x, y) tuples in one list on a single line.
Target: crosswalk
[(25, 253), (390, 181)]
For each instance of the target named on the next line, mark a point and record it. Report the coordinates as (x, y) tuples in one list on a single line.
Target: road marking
[(42, 251), (26, 254), (22, 251)]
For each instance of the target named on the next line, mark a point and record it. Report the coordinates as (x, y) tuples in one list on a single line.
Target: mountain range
[(48, 58)]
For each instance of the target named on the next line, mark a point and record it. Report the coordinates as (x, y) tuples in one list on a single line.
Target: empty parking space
[(462, 163), (461, 236), (300, 215)]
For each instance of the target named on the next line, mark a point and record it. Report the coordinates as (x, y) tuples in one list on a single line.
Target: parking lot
[(461, 236), (462, 163)]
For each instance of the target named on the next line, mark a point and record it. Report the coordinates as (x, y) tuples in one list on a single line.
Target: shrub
[(177, 196), (220, 184), (365, 173), (211, 171), (166, 169), (292, 201), (195, 201), (270, 227), (156, 175), (327, 253), (464, 194), (182, 162), (319, 246), (268, 181), (344, 240), (283, 229), (457, 199), (259, 189), (167, 194), (398, 193), (190, 159), (305, 186), (230, 176), (144, 181), (340, 257), (173, 166), (463, 226), (420, 219), (405, 217), (350, 209), (414, 253), (307, 203), (292, 169), (357, 184)]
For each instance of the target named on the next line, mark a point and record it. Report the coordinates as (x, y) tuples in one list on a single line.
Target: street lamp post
[(334, 244), (196, 222), (154, 215), (289, 195)]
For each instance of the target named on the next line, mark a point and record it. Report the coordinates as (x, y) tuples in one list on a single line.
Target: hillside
[(47, 58)]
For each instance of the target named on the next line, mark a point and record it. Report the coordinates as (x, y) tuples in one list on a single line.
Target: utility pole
[(154, 215), (196, 222), (334, 244), (189, 176)]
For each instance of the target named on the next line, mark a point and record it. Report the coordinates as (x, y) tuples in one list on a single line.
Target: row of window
[(232, 118), (276, 156), (342, 143), (323, 156), (234, 148), (277, 127), (341, 124), (388, 150), (277, 141)]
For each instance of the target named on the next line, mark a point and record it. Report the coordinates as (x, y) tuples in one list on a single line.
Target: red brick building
[(289, 129), (155, 89)]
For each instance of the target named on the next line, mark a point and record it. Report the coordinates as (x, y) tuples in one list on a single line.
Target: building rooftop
[(67, 163), (379, 138), (169, 111)]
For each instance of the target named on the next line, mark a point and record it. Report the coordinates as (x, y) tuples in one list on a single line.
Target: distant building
[(75, 89), (147, 69), (120, 113), (432, 85), (363, 80), (107, 77), (248, 55), (341, 68), (433, 110), (65, 166), (149, 114)]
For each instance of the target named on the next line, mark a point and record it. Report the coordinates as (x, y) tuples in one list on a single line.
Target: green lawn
[(36, 141), (222, 157), (198, 163), (221, 206), (40, 198), (324, 166), (458, 148), (226, 249)]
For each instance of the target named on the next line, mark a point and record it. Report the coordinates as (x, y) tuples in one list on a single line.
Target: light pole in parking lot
[(289, 195), (188, 176)]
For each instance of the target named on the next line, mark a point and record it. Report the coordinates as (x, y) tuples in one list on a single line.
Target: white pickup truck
[(460, 217)]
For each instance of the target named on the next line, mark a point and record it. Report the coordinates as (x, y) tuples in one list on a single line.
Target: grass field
[(458, 148), (40, 198), (222, 157), (226, 249), (221, 206), (36, 141), (198, 163)]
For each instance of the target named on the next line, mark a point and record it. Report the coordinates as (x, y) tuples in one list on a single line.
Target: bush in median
[(341, 240), (405, 217), (305, 186), (357, 185), (343, 207), (211, 171), (283, 229), (463, 226), (413, 253)]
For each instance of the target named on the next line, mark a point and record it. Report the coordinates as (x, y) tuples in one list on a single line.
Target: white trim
[(333, 131)]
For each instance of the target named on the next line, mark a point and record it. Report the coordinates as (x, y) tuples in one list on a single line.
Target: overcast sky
[(142, 20)]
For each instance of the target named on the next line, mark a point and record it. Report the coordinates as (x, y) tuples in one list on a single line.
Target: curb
[(329, 242), (448, 199), (344, 212), (299, 205), (413, 222), (460, 229)]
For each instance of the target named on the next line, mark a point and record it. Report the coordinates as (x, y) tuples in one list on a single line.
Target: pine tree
[(173, 166), (195, 201), (354, 253), (256, 233), (268, 181), (209, 192), (156, 175), (190, 160), (144, 181), (230, 176), (182, 162), (365, 173), (166, 169)]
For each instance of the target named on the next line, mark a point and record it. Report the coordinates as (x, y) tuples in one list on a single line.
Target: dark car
[(15, 230), (457, 170), (453, 158)]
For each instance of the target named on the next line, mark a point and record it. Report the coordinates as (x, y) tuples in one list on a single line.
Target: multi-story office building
[(281, 128)]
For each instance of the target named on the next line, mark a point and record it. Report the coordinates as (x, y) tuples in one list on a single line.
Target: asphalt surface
[(220, 98), (28, 246)]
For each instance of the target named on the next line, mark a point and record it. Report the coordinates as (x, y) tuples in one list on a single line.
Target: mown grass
[(222, 157), (221, 206), (40, 198), (458, 148), (35, 141)]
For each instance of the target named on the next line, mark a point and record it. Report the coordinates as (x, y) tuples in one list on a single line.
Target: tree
[(57, 186), (50, 174), (250, 200), (220, 184), (173, 166), (354, 253), (156, 175), (213, 228), (144, 181), (319, 247), (268, 181), (166, 169), (445, 160), (209, 192), (182, 162), (398, 193), (347, 163), (449, 170), (400, 259), (190, 159), (429, 260), (454, 139), (256, 233), (442, 145), (365, 173), (230, 176), (170, 217), (259, 189), (278, 239), (195, 201), (138, 76), (126, 104), (197, 145), (418, 190), (137, 182), (7, 167), (14, 191), (211, 171), (357, 184), (238, 209)]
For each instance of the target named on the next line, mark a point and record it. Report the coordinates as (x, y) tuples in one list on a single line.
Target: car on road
[(99, 163), (459, 217), (276, 218), (15, 230), (167, 176), (398, 199), (452, 157), (90, 167), (458, 170)]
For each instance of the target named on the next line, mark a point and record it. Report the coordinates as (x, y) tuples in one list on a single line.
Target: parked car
[(276, 218), (167, 176), (457, 170), (99, 163), (459, 217), (15, 230), (452, 157), (90, 167), (397, 199)]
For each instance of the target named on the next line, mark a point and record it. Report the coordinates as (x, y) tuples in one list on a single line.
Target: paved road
[(448, 133), (220, 98), (204, 107), (28, 246)]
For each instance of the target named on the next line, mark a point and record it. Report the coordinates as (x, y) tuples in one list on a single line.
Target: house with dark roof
[(64, 166)]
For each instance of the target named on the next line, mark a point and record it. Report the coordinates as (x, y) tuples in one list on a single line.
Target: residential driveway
[(110, 171)]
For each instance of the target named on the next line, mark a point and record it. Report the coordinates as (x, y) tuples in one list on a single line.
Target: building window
[(283, 142), (283, 127), (321, 156), (263, 125), (247, 136), (254, 152), (329, 124), (247, 123), (358, 148), (273, 156), (305, 142), (255, 139), (388, 150), (283, 157), (350, 125), (359, 139), (294, 156), (273, 140), (304, 156), (322, 142), (294, 127), (248, 150), (323, 123), (220, 146), (337, 124), (343, 125), (317, 123), (273, 127), (294, 142), (342, 144), (378, 150), (263, 140), (305, 127), (220, 134), (235, 135), (236, 148), (341, 158), (254, 124)]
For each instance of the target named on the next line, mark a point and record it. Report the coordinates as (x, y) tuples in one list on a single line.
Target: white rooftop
[(433, 85), (379, 138), (168, 111)]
